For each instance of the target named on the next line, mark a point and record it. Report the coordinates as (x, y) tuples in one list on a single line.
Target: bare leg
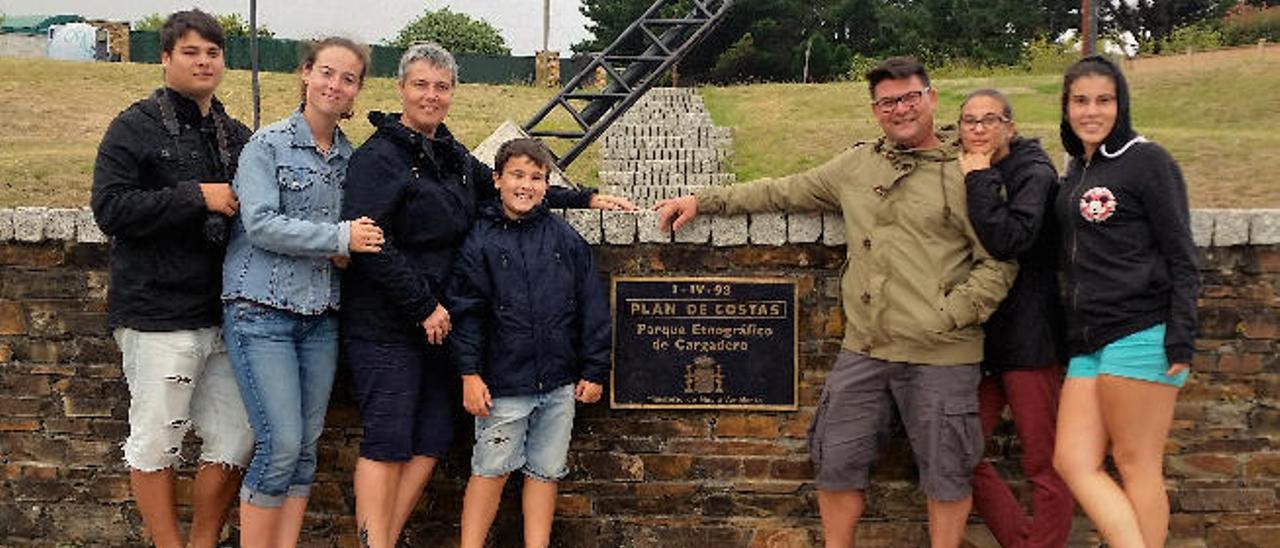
[(258, 526), (1078, 454), (290, 527), (154, 493), (1138, 415), (947, 520), (539, 504), (375, 486), (479, 506), (215, 487), (413, 480), (840, 512)]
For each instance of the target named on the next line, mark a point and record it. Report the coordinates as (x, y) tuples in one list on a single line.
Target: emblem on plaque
[(703, 376)]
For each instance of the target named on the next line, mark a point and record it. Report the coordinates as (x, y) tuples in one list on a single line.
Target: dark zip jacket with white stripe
[(1130, 259)]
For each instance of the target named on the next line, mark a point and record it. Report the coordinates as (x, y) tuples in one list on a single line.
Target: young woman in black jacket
[(424, 188), (1010, 184), (1131, 295)]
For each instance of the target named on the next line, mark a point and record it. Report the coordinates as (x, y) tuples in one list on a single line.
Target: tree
[(457, 32), (608, 19), (150, 23), (232, 24)]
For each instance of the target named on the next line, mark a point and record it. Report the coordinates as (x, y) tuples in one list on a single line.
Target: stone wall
[(638, 478), (22, 45)]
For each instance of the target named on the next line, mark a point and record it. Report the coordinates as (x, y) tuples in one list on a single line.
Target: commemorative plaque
[(704, 343)]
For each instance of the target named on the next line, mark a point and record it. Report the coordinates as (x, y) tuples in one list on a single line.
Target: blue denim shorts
[(408, 394), (527, 433), (1139, 356)]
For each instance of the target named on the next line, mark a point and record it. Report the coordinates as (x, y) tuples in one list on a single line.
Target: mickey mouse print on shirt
[(1097, 204)]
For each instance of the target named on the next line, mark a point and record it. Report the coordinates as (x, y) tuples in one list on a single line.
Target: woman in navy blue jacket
[(424, 188), (1131, 307)]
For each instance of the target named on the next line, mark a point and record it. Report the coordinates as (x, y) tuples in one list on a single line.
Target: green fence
[(280, 55)]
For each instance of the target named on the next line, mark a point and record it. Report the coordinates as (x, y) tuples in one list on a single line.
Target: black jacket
[(424, 194), (1011, 208), (1131, 262), (166, 247), (528, 309)]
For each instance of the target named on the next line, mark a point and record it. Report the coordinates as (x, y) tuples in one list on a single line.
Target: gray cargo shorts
[(939, 409)]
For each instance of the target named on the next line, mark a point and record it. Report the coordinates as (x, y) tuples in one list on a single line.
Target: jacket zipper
[(1075, 247)]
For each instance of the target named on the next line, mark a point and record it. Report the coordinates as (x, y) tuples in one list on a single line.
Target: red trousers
[(1032, 395)]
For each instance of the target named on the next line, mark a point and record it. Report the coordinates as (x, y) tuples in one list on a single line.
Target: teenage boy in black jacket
[(531, 335), (162, 193)]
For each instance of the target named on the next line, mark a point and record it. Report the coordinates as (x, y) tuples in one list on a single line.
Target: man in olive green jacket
[(916, 288)]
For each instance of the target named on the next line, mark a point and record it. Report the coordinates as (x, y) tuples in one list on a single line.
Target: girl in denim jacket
[(280, 287)]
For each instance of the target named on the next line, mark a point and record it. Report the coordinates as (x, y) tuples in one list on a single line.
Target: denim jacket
[(288, 227)]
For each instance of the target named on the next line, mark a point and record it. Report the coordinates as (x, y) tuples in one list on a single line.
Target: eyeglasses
[(987, 122), (887, 104)]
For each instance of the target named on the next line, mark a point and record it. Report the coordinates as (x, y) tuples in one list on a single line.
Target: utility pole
[(253, 59), (1088, 27), (546, 25)]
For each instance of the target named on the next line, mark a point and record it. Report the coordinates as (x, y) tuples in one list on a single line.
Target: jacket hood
[(1023, 153), (492, 211), (443, 149), (1122, 134), (907, 158), (388, 123)]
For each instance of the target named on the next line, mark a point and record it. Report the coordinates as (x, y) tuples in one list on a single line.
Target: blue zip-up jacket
[(425, 193), (528, 309), (288, 226)]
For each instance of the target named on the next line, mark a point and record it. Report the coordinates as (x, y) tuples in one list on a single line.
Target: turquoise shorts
[(1138, 356)]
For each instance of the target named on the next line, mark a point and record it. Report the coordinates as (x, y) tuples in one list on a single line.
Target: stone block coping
[(1209, 227)]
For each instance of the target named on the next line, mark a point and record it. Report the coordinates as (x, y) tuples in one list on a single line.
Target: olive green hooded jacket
[(917, 284)]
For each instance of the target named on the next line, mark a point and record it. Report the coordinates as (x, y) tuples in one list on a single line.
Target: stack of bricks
[(638, 478), (664, 146)]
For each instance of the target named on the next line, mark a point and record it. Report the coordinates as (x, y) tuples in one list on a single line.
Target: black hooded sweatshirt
[(1011, 207), (1130, 259)]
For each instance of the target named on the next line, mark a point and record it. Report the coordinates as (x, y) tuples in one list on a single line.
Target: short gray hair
[(431, 52)]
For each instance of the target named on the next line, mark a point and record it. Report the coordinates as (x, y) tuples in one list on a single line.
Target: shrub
[(1044, 56), (1199, 36), (1245, 24), (859, 64)]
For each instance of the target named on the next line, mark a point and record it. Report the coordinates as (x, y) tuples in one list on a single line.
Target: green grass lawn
[(53, 113), (1217, 113)]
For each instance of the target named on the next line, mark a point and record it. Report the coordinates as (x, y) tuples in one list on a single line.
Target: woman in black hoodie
[(424, 188), (1010, 184), (1131, 295)]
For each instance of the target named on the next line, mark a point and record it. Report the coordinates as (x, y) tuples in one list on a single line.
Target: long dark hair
[(309, 60), (1122, 133)]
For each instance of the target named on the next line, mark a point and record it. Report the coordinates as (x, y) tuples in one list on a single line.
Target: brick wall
[(639, 478)]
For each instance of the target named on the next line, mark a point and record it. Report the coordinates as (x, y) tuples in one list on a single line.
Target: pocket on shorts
[(960, 436), (816, 430)]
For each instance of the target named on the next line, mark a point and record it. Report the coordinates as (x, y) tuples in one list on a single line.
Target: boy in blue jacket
[(531, 334)]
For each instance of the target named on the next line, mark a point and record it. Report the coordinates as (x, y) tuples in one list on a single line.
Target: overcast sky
[(519, 21)]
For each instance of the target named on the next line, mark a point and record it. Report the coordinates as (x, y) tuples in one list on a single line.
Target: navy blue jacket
[(425, 194), (1011, 208), (528, 309)]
